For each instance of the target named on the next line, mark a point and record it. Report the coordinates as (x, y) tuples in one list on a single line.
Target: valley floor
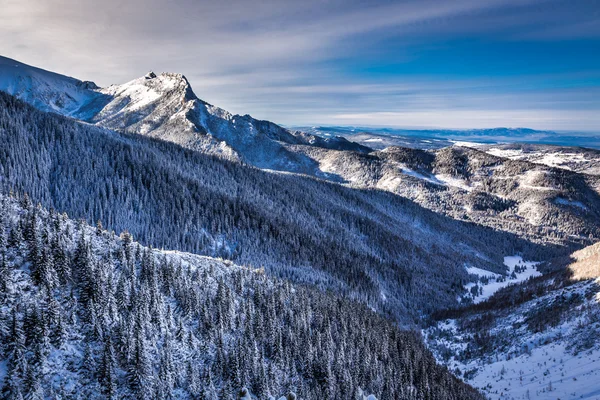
[(545, 348), (550, 372)]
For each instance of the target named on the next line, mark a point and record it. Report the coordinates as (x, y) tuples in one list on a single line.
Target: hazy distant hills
[(379, 138)]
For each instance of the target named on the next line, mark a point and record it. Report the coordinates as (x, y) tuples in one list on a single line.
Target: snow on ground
[(440, 179), (138, 93), (482, 272), (463, 143), (531, 180), (561, 160), (567, 202), (44, 89), (558, 361), (415, 174), (568, 160), (558, 159), (449, 180), (507, 153), (374, 140), (389, 183), (364, 396), (550, 372), (518, 271)]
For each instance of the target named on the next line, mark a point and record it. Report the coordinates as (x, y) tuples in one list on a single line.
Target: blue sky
[(453, 64)]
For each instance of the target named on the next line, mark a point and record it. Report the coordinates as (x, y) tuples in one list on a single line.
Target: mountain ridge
[(165, 106)]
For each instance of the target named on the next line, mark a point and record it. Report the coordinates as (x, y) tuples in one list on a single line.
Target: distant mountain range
[(380, 138)]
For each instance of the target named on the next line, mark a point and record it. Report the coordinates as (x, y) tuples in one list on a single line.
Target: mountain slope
[(585, 263), (576, 159), (45, 90), (88, 314), (298, 227), (537, 340), (536, 201)]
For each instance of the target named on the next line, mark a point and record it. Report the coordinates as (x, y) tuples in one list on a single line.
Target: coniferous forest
[(369, 245), (87, 314)]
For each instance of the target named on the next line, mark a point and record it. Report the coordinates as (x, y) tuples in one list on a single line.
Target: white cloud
[(278, 59)]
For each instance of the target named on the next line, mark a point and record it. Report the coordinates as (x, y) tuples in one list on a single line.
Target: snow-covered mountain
[(476, 184), (388, 251), (296, 227), (45, 90), (164, 106)]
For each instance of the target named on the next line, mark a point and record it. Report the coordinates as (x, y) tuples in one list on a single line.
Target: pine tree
[(139, 372), (107, 370), (61, 261), (99, 228), (17, 363), (15, 238), (193, 384), (46, 273), (35, 375), (166, 371), (5, 277), (208, 392)]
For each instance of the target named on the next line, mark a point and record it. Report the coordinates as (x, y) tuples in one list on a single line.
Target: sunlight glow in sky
[(453, 64)]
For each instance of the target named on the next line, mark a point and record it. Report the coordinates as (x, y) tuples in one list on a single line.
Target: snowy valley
[(537, 340)]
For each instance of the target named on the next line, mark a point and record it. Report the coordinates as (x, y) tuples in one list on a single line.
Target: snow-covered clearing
[(550, 372), (518, 271), (566, 202), (440, 179), (449, 180)]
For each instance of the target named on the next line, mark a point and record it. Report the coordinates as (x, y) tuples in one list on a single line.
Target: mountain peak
[(163, 106)]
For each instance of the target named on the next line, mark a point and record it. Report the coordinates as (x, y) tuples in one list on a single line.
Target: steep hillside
[(45, 90), (537, 340), (371, 245), (585, 263), (88, 314), (534, 201)]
